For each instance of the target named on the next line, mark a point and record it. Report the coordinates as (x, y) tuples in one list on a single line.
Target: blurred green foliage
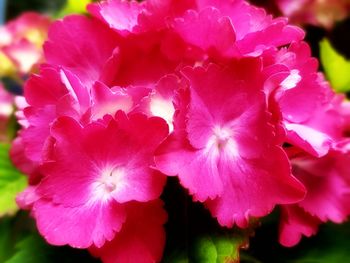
[(11, 182), (73, 7), (336, 67)]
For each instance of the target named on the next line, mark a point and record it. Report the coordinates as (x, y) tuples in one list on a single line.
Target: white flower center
[(222, 141), (110, 180)]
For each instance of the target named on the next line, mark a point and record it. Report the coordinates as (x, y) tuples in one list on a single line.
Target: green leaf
[(336, 67), (74, 7), (205, 250), (228, 248), (331, 245), (11, 182), (31, 249), (34, 249), (217, 249), (5, 236)]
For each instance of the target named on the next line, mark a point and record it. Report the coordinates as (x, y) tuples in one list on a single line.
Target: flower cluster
[(217, 93)]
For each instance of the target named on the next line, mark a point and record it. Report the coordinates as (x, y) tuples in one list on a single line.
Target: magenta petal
[(36, 134), (66, 49), (119, 168), (309, 139), (109, 101), (207, 30), (119, 15), (27, 198), (196, 171), (247, 181), (36, 89), (81, 226), (296, 223), (327, 182), (141, 239)]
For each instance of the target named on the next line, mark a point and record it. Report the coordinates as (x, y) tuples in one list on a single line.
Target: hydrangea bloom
[(93, 185), (203, 90), (225, 151)]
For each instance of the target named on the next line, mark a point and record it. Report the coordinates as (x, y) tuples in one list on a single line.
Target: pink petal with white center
[(93, 223), (67, 47), (296, 223), (119, 168), (214, 111), (141, 239), (208, 30), (223, 148)]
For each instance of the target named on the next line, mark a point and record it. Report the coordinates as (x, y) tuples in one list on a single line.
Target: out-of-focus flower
[(21, 43), (6, 110), (315, 12)]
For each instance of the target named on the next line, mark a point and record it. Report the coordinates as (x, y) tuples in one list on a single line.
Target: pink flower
[(6, 110), (141, 239), (86, 188), (225, 152), (328, 195), (21, 40), (306, 104)]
